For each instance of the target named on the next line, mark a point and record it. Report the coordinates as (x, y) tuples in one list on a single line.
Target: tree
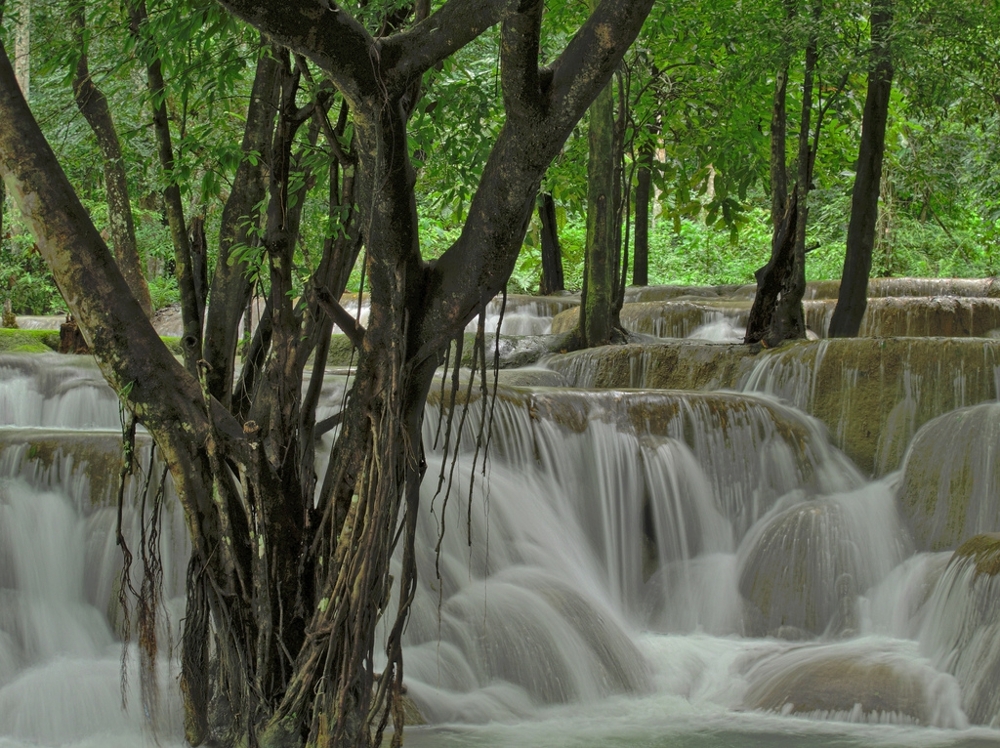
[(853, 295), (552, 268), (289, 591), (777, 314), (93, 105), (599, 305)]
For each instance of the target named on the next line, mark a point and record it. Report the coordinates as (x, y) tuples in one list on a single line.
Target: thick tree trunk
[(644, 179), (552, 267), (853, 298), (94, 107), (598, 317)]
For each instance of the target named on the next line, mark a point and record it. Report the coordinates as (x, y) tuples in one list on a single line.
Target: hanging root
[(147, 598)]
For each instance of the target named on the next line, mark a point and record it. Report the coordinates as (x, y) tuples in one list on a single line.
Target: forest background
[(693, 100)]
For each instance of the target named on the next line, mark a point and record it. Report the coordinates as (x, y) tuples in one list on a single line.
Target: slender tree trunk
[(94, 107), (779, 129), (777, 313), (598, 320), (790, 319), (230, 289), (779, 176), (853, 298), (190, 313), (22, 48), (644, 179), (552, 267)]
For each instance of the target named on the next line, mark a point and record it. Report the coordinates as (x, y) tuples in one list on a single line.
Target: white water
[(598, 604)]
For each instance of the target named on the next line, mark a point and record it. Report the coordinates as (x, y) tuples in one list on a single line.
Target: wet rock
[(910, 316), (872, 394), (952, 478), (961, 630), (798, 570), (848, 684)]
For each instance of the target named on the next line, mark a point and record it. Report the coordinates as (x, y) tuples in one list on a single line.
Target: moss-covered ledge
[(14, 340)]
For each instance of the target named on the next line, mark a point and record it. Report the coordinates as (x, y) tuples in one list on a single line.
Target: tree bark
[(552, 267), (190, 313), (598, 318), (644, 178), (853, 296), (22, 47), (777, 313), (93, 105)]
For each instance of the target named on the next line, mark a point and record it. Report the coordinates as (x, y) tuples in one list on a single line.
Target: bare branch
[(340, 316)]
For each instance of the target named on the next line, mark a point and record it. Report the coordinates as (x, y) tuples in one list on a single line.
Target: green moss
[(984, 550), (28, 341), (173, 344)]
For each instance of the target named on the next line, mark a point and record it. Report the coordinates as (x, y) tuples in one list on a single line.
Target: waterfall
[(624, 566)]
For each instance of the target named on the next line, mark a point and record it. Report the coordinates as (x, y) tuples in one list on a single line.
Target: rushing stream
[(646, 568)]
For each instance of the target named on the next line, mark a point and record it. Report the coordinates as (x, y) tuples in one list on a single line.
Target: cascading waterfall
[(632, 567)]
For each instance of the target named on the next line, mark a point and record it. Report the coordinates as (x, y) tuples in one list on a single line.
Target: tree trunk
[(552, 267), (853, 297), (191, 342), (766, 323), (22, 48), (94, 107), (644, 179), (231, 287), (779, 128), (779, 176), (598, 317), (777, 313), (790, 321)]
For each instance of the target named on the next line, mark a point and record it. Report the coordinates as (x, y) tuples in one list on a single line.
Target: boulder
[(802, 571), (961, 630), (854, 684), (951, 478)]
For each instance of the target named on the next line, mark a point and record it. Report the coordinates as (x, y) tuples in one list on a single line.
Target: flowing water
[(630, 568)]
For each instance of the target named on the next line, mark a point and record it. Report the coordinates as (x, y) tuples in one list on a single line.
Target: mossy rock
[(983, 551), (801, 570), (820, 681), (951, 478), (872, 394), (961, 629)]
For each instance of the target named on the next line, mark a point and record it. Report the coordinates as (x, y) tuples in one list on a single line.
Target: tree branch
[(475, 268), (340, 316), (321, 32), (410, 53), (519, 45), (593, 53)]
